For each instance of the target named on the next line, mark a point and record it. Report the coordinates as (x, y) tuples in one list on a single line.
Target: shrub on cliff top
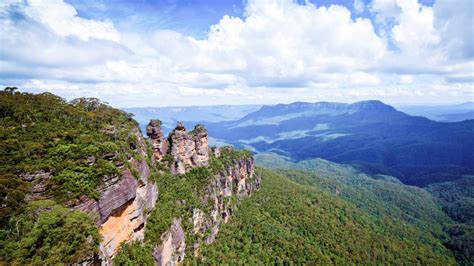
[(134, 253), (48, 233), (44, 132)]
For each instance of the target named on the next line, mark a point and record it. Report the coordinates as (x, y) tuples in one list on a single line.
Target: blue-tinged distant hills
[(170, 115), (368, 134), (443, 113)]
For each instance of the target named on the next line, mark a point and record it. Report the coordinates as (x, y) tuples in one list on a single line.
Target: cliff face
[(159, 143), (122, 209), (223, 194), (188, 149), (173, 248), (125, 200)]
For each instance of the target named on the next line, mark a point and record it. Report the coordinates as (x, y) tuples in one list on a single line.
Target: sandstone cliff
[(225, 189), (160, 144), (188, 149), (124, 203)]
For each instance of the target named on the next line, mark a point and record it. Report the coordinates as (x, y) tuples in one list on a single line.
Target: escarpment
[(124, 203), (82, 184), (202, 193), (214, 181), (223, 194), (78, 180), (200, 188)]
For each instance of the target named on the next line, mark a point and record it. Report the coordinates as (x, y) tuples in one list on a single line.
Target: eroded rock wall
[(125, 201), (159, 143), (188, 149), (223, 193), (172, 249)]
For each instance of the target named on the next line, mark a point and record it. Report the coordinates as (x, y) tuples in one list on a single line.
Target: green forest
[(443, 209), (43, 133), (287, 222)]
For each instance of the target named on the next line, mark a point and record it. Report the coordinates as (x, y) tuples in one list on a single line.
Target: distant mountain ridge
[(170, 115), (318, 107), (443, 113), (371, 134)]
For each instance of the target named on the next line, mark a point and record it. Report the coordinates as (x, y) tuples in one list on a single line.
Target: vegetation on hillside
[(75, 144), (46, 233), (457, 199), (287, 222), (44, 132), (384, 196)]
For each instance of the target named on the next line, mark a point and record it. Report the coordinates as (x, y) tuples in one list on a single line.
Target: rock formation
[(160, 144), (172, 249), (224, 192), (188, 149), (38, 181), (122, 209)]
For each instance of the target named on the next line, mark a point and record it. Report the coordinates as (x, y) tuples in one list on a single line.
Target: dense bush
[(392, 199), (457, 199), (134, 253), (47, 233), (44, 132), (286, 222)]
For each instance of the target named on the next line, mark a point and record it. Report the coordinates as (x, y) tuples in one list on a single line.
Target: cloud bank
[(279, 51)]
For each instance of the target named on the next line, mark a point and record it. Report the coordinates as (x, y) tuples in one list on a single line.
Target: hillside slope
[(384, 196), (66, 169), (286, 222)]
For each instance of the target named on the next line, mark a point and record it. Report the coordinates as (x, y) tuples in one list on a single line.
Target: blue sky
[(190, 17), (190, 52)]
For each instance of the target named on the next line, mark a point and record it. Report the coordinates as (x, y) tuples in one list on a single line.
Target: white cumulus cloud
[(279, 51)]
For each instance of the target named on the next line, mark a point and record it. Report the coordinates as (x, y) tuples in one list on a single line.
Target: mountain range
[(169, 116), (369, 134)]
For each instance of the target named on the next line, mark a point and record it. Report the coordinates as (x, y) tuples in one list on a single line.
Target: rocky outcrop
[(201, 155), (172, 249), (188, 149), (224, 193), (39, 184), (125, 200), (159, 144)]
